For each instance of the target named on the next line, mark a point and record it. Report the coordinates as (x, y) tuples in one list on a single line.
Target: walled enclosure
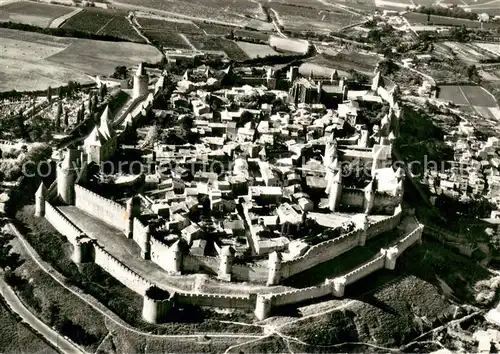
[(154, 309), (157, 302), (102, 208)]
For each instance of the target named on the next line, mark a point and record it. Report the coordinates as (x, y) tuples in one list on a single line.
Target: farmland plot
[(23, 64), (100, 57), (239, 7), (181, 26), (213, 43), (493, 48), (418, 18), (348, 60), (192, 10), (214, 29), (305, 18), (104, 22), (89, 21), (473, 96), (32, 13), (469, 52), (256, 50), (167, 39), (34, 61)]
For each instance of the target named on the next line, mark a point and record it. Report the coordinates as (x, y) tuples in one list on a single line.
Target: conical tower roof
[(95, 137), (227, 251), (41, 191), (66, 162), (140, 70), (106, 128)]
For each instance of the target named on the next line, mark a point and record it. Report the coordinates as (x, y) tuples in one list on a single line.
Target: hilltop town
[(283, 177)]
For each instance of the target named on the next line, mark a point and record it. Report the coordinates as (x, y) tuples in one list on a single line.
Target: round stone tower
[(40, 195), (66, 178), (274, 265), (156, 304), (141, 81), (176, 260), (226, 263), (263, 307), (133, 210)]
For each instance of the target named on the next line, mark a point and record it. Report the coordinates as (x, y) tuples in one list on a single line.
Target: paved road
[(48, 333)]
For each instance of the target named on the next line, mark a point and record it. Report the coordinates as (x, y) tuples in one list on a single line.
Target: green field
[(32, 13), (104, 22)]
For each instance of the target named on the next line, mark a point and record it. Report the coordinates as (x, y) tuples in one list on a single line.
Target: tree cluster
[(452, 11)]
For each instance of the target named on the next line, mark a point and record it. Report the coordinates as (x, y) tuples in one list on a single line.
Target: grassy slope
[(410, 302)]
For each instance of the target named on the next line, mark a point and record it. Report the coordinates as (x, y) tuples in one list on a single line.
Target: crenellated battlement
[(365, 269), (111, 203), (120, 271), (410, 239), (102, 208), (62, 224)]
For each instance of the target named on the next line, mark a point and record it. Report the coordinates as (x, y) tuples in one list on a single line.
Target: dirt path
[(136, 26), (58, 22), (183, 36)]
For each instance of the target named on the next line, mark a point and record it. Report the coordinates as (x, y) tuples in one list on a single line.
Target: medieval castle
[(152, 244)]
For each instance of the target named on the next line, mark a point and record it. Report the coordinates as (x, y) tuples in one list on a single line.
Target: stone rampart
[(300, 295), (118, 270), (320, 253), (104, 209), (62, 224), (386, 259), (160, 254), (352, 197), (365, 269), (142, 237), (384, 203), (254, 273), (122, 115), (385, 225), (410, 239), (206, 264), (216, 300)]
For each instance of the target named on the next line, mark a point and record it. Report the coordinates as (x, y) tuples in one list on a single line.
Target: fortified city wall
[(355, 197), (336, 287), (155, 309), (101, 208), (159, 253)]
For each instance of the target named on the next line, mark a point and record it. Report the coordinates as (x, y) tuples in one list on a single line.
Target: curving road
[(58, 341)]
